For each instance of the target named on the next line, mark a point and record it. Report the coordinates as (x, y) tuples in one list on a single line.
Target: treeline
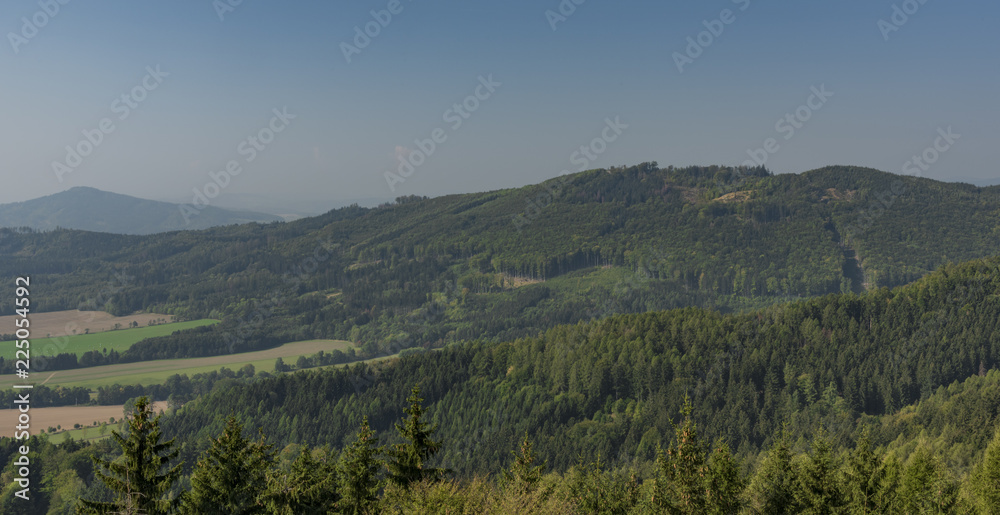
[(179, 388), (237, 473), (42, 396)]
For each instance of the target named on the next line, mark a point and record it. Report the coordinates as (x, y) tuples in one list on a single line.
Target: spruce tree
[(817, 486), (142, 475), (926, 486), (593, 489), (723, 483), (231, 476), (308, 488), (870, 482), (407, 460), (771, 489), (358, 473), (680, 484), (985, 483), (524, 474)]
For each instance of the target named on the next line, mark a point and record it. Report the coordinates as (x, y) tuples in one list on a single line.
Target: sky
[(294, 102)]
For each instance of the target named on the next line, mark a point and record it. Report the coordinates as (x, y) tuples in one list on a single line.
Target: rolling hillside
[(511, 263), (587, 312), (612, 387), (90, 209)]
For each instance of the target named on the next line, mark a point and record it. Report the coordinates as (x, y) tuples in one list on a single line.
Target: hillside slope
[(611, 387), (510, 263), (90, 209)]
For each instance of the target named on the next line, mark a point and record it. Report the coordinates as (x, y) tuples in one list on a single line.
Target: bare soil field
[(65, 416), (63, 323)]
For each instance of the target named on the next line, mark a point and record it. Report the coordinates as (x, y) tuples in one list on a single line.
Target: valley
[(499, 258), (640, 294)]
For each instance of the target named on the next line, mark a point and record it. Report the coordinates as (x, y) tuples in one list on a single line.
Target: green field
[(119, 340), (91, 434), (157, 371)]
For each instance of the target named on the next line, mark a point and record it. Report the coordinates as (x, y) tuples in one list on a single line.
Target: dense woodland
[(610, 387), (906, 379), (642, 326), (139, 471), (422, 272)]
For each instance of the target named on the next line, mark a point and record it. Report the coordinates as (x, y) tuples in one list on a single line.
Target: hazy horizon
[(491, 96)]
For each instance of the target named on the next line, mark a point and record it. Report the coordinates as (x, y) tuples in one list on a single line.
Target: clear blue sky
[(607, 59)]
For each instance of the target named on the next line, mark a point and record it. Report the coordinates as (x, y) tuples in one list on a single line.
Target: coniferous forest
[(628, 340), (565, 257)]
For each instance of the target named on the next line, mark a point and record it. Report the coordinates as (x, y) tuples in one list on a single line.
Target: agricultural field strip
[(119, 340), (65, 416), (156, 371), (54, 323)]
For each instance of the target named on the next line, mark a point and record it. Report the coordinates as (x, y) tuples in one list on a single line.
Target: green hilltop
[(426, 272)]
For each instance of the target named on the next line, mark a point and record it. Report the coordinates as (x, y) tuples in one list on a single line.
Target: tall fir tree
[(724, 483), (407, 462), (593, 489), (771, 488), (358, 473), (985, 482), (524, 474), (680, 484), (817, 486), (926, 486), (231, 476), (142, 475), (309, 487), (871, 481)]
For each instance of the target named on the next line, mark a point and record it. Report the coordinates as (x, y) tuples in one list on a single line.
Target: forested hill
[(510, 263), (90, 209), (610, 388)]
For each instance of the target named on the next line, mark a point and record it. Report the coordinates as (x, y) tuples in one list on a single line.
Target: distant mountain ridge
[(91, 209)]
